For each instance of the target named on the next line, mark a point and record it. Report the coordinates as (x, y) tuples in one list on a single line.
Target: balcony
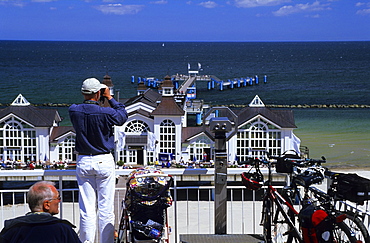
[(192, 212)]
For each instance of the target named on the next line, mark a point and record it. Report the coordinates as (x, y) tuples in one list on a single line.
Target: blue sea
[(298, 73)]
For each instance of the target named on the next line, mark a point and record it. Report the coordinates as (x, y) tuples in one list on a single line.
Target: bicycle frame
[(279, 216), (274, 205)]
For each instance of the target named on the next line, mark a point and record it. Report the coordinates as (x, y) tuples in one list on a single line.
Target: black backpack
[(283, 164), (316, 225)]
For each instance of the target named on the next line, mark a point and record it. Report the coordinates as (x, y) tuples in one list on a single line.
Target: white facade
[(147, 132)]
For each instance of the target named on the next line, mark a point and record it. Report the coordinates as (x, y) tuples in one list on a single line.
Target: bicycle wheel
[(342, 234), (124, 228), (356, 226), (281, 224), (266, 219)]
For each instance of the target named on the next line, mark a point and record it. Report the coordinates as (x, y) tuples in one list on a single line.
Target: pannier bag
[(351, 187), (283, 164), (309, 177), (316, 225)]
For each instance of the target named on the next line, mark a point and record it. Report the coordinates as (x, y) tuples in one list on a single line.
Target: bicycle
[(343, 186), (279, 216), (329, 200)]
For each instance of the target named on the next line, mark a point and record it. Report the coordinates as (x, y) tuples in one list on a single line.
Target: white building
[(157, 123), (25, 133)]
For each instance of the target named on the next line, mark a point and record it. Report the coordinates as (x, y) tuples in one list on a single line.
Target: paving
[(234, 238)]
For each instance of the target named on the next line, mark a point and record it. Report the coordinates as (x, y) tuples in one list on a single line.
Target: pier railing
[(192, 211)]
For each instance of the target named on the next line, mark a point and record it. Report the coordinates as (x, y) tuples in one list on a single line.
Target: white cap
[(91, 86)]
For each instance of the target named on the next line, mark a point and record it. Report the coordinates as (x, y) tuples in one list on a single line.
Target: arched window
[(137, 126), (167, 137), (257, 137), (17, 140), (66, 148)]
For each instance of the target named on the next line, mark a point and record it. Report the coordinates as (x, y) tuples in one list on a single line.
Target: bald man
[(40, 225)]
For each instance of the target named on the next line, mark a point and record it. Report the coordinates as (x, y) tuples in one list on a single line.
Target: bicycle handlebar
[(250, 161), (293, 161), (306, 162)]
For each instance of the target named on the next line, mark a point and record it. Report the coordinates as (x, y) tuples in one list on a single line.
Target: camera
[(101, 94)]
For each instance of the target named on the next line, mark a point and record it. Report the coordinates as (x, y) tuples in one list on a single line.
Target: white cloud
[(208, 4), (12, 3), (159, 2), (299, 8), (315, 16), (258, 3), (359, 4), (119, 9), (366, 7), (363, 11), (43, 1)]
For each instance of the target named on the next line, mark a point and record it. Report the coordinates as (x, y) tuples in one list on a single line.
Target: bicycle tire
[(277, 226), (356, 226), (266, 217), (342, 234), (124, 229)]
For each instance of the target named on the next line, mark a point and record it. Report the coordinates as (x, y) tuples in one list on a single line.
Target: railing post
[(175, 207), (61, 196)]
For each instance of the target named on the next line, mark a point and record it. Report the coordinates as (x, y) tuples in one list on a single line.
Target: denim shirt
[(94, 125)]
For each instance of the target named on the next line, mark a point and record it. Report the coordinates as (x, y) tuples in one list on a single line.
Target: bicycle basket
[(283, 164), (351, 187), (252, 180)]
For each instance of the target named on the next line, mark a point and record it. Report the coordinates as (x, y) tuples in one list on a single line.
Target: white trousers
[(96, 183)]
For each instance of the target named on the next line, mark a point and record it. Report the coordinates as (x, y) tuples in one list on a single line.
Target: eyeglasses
[(58, 198)]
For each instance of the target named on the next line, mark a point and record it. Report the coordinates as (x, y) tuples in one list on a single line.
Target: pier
[(188, 82), (212, 82)]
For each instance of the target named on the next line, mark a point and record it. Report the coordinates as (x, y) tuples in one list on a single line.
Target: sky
[(184, 20)]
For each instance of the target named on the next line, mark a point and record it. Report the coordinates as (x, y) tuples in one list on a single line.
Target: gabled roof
[(60, 131), (149, 97), (141, 112), (20, 101), (256, 102), (33, 115), (189, 132), (283, 118), (168, 107)]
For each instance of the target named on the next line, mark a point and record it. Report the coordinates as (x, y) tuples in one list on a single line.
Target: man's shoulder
[(73, 107), (33, 219), (52, 230)]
